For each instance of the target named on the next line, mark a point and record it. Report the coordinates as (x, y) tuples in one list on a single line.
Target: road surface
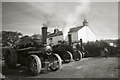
[(86, 68)]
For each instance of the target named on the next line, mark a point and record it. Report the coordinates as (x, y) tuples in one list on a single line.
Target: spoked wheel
[(10, 59), (78, 55), (34, 66), (68, 57), (56, 64), (83, 54)]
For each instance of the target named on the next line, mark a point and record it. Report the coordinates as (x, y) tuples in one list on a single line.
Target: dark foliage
[(9, 38), (94, 48), (18, 41), (118, 46), (27, 41)]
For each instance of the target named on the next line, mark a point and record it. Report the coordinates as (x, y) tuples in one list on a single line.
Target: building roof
[(55, 34), (75, 29)]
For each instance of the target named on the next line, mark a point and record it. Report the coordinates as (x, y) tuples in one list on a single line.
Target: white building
[(81, 32)]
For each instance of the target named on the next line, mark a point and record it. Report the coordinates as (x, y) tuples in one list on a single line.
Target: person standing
[(106, 52)]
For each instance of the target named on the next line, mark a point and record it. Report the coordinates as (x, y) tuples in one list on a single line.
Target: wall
[(55, 39), (86, 34)]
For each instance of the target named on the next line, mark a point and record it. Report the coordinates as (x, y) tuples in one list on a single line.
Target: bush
[(112, 51), (94, 48)]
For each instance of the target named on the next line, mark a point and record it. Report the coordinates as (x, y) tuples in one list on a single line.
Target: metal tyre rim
[(56, 64), (80, 55), (69, 57), (35, 65)]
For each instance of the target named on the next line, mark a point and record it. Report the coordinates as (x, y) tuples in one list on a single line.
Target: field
[(98, 67)]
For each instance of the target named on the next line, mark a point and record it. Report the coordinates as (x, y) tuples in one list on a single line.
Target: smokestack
[(81, 42), (70, 39), (51, 41), (44, 34)]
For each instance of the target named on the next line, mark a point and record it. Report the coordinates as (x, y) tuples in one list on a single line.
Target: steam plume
[(62, 14), (82, 8)]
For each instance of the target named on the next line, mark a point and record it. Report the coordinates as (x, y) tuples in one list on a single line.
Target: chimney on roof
[(56, 30), (85, 22)]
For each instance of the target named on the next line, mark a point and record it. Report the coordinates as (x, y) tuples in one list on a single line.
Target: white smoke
[(82, 8), (61, 14)]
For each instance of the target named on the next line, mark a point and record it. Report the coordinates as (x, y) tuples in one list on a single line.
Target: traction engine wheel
[(10, 58), (34, 65), (67, 57), (57, 63), (79, 55), (83, 54)]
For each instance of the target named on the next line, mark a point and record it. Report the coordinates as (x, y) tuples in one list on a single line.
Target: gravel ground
[(86, 68)]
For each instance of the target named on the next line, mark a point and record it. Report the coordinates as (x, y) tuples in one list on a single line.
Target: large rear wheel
[(83, 54), (34, 66), (57, 63), (67, 57), (78, 55)]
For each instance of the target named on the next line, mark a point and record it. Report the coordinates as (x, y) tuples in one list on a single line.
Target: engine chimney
[(81, 42), (70, 39), (44, 35)]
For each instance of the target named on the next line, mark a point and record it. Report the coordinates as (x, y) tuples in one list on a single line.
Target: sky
[(28, 17)]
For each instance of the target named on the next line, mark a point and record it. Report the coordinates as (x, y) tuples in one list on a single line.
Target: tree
[(25, 41), (9, 38), (28, 41), (94, 48), (118, 43)]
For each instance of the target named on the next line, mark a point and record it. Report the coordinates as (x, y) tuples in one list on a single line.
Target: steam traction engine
[(62, 49), (34, 58), (66, 51), (80, 47)]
